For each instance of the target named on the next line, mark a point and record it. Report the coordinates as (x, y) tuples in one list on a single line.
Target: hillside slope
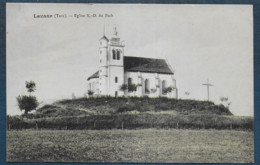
[(115, 105), (130, 113)]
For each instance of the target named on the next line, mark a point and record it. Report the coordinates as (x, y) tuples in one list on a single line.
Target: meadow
[(140, 145)]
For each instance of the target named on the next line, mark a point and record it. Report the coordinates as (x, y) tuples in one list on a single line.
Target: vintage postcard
[(129, 83)]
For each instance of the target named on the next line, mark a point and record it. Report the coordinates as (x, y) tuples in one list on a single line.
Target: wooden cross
[(208, 85)]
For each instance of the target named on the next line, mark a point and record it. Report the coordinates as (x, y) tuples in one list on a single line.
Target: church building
[(120, 75)]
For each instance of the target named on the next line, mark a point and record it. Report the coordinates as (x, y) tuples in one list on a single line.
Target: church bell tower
[(111, 65), (115, 65)]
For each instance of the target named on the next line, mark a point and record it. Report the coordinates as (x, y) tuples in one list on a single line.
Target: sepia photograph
[(129, 83)]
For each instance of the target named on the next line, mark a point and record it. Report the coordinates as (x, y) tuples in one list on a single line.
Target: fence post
[(122, 125), (36, 126), (177, 125), (230, 126), (94, 123), (66, 127), (9, 126)]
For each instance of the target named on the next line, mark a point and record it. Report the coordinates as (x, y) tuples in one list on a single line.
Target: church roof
[(95, 75), (151, 65), (141, 64), (104, 37)]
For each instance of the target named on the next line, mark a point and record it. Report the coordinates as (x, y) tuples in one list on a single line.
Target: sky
[(200, 42)]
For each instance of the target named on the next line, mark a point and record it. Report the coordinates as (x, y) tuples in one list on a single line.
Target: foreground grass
[(147, 145)]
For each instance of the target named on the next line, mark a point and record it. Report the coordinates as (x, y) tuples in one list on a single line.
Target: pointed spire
[(104, 32), (104, 29)]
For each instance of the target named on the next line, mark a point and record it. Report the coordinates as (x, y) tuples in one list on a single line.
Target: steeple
[(115, 76), (115, 39), (104, 30), (104, 33)]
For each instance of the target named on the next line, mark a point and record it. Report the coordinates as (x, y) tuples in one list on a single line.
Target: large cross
[(208, 85)]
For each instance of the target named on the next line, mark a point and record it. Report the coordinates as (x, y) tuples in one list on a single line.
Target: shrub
[(133, 121), (162, 106), (167, 90), (90, 93), (126, 107), (145, 108), (132, 87), (123, 87)]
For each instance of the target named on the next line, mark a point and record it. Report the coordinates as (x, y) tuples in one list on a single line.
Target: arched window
[(146, 86), (129, 81), (116, 79), (114, 54), (163, 87), (118, 54), (129, 84), (116, 93)]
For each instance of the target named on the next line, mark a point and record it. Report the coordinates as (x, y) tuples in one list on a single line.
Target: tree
[(90, 92), (30, 85), (224, 100), (27, 103)]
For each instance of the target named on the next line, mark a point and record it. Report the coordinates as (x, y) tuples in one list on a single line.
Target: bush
[(162, 106), (123, 87), (144, 108), (126, 107), (132, 87), (90, 93), (133, 121), (167, 90)]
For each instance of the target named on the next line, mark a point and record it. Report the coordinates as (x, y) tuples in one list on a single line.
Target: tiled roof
[(141, 64), (95, 75), (151, 65)]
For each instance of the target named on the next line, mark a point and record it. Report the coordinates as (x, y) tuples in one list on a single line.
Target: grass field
[(145, 145)]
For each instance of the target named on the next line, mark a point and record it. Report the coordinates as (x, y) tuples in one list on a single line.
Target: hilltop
[(118, 105), (130, 113)]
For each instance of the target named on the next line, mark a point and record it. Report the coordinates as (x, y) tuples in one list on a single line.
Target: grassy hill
[(131, 113), (116, 105)]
